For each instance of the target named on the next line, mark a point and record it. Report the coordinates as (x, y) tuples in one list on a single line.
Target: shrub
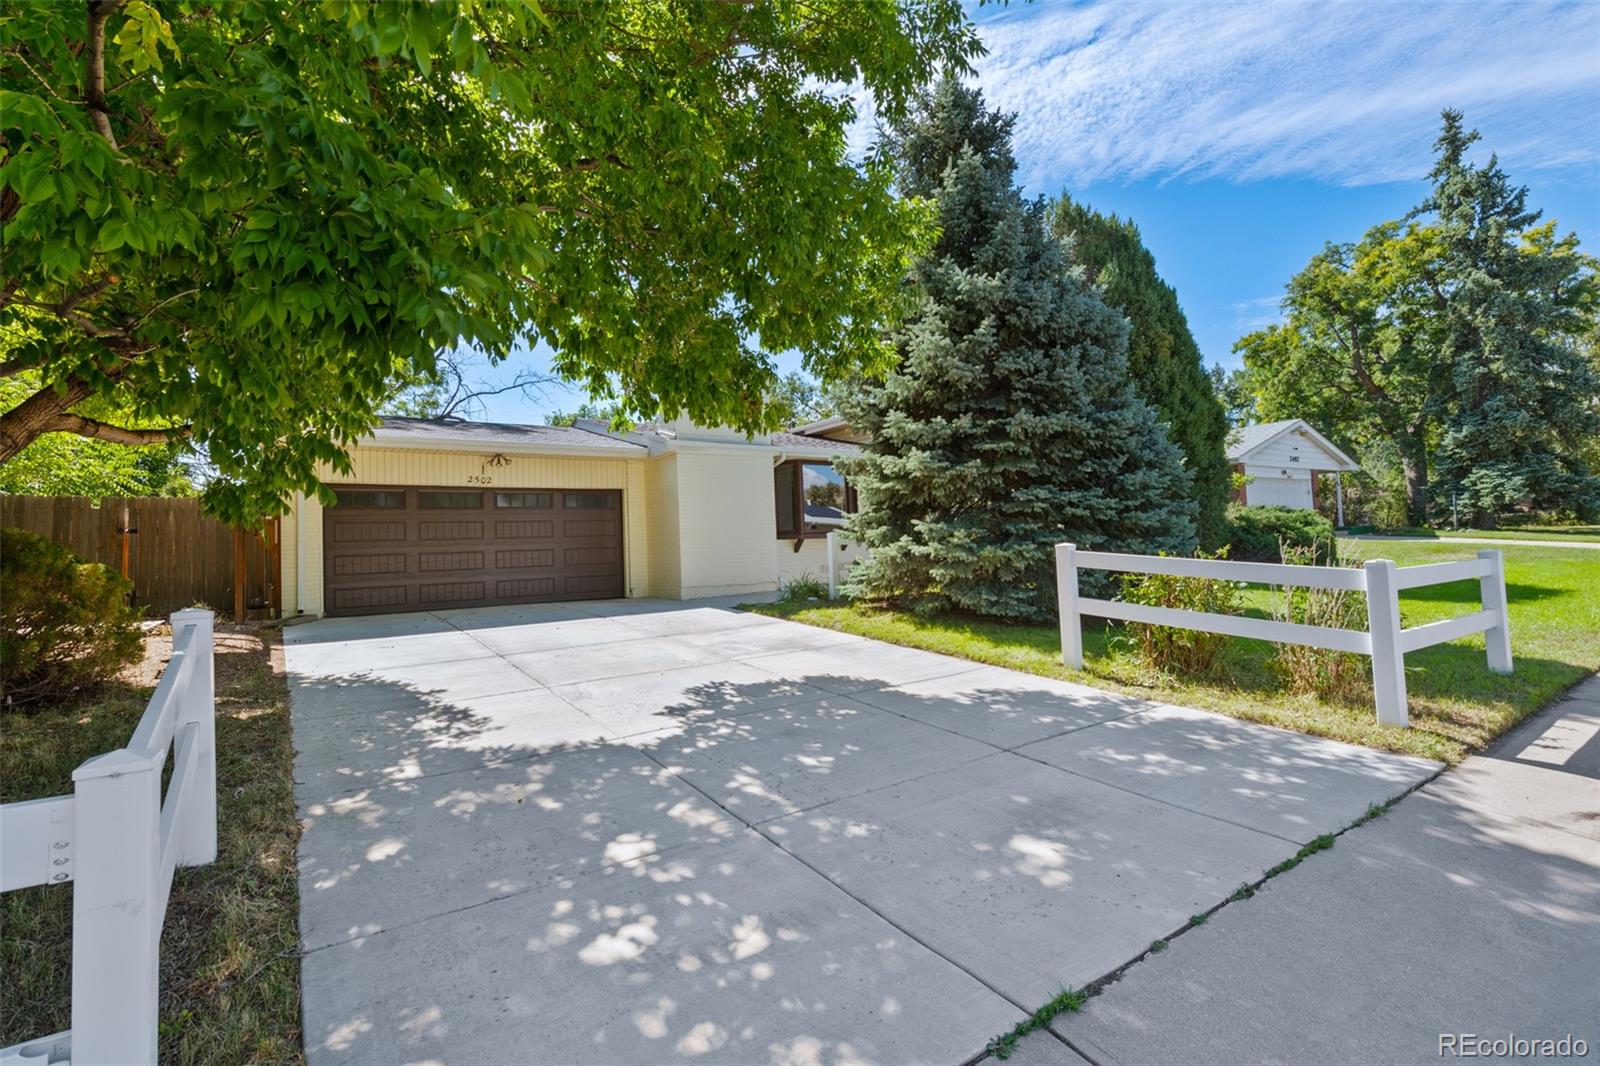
[(1165, 648), (1256, 534), (803, 587), (65, 623), (1319, 671)]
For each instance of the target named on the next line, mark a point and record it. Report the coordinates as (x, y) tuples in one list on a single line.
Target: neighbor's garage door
[(392, 548)]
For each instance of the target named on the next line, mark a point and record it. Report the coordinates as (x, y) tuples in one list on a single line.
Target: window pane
[(450, 501), (523, 499), (591, 499), (364, 498), (823, 487), (783, 497)]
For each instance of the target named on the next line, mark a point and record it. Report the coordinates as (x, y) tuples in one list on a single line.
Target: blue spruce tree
[(1011, 422)]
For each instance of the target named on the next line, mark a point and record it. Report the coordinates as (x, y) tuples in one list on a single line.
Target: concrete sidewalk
[(1472, 907)]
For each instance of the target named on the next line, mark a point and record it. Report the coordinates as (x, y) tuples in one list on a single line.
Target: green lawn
[(1457, 705), (230, 967), (1580, 534)]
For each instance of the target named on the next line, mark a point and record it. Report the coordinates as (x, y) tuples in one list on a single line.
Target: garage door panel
[(525, 530), (428, 562), (562, 545)]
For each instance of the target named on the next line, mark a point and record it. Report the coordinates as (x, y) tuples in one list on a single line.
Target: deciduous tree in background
[(1163, 357), (1463, 337), (1010, 422), (241, 221)]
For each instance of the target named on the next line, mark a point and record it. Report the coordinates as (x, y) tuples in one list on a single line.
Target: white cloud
[(1258, 313), (1346, 92)]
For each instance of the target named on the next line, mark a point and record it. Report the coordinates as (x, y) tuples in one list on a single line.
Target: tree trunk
[(1414, 463), (37, 415)]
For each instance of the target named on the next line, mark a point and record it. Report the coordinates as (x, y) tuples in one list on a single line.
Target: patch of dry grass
[(230, 971)]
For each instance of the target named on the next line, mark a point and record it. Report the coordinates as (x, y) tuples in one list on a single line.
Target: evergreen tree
[(1010, 423), (1162, 354), (1519, 306)]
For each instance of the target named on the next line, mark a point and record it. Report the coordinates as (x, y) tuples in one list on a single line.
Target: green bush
[(803, 587), (1259, 534), (65, 624), (1332, 675), (1171, 650)]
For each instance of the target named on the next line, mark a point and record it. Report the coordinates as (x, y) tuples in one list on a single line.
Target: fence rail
[(1380, 580), (120, 840)]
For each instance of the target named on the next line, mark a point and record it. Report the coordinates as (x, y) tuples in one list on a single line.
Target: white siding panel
[(1295, 451), (726, 523)]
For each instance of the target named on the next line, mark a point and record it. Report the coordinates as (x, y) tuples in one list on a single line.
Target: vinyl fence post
[(1388, 661), (116, 934), (833, 564), (197, 824), (1492, 591), (1067, 596)]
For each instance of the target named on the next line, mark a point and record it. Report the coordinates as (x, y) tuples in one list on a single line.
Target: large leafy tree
[(1010, 422), (1358, 356), (1523, 396), (1163, 357), (242, 221), (1458, 337)]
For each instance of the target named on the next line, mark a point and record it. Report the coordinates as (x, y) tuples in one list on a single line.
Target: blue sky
[(1241, 137)]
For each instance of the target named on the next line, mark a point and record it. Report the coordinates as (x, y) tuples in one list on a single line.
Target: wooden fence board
[(177, 558)]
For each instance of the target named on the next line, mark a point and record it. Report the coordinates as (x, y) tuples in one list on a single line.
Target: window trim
[(802, 533)]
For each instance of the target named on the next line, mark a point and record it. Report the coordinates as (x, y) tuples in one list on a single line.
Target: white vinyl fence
[(118, 840), (842, 555), (1380, 580)]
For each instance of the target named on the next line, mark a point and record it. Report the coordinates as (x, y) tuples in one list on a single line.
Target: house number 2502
[(479, 479)]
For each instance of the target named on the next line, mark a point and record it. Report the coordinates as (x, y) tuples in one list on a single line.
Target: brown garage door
[(393, 548)]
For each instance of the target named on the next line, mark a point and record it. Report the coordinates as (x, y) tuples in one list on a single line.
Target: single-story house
[(1281, 461), (441, 514)]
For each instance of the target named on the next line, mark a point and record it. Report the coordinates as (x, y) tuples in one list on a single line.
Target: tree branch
[(94, 96), (90, 427)]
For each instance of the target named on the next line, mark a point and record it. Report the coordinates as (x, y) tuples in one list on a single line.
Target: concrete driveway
[(643, 831)]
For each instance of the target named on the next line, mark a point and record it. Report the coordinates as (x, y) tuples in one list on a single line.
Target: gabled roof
[(452, 433), (1247, 440)]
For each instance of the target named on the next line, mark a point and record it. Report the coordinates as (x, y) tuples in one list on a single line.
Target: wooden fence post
[(116, 933), (1492, 592), (1067, 597), (1388, 661), (197, 823)]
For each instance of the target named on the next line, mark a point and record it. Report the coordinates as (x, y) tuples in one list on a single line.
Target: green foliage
[(602, 411), (1009, 423), (803, 587), (1332, 675), (800, 399), (60, 464), (1258, 534), (1462, 336), (1232, 389), (1522, 391), (1163, 358), (259, 214), (65, 624), (1168, 649)]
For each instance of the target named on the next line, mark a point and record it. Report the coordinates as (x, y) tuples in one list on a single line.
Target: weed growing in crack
[(1068, 999)]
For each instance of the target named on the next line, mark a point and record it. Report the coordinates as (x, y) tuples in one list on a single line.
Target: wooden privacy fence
[(174, 555), (119, 840), (1380, 580)]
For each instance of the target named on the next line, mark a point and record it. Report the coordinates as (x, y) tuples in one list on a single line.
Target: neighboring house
[(446, 514), (1281, 461)]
